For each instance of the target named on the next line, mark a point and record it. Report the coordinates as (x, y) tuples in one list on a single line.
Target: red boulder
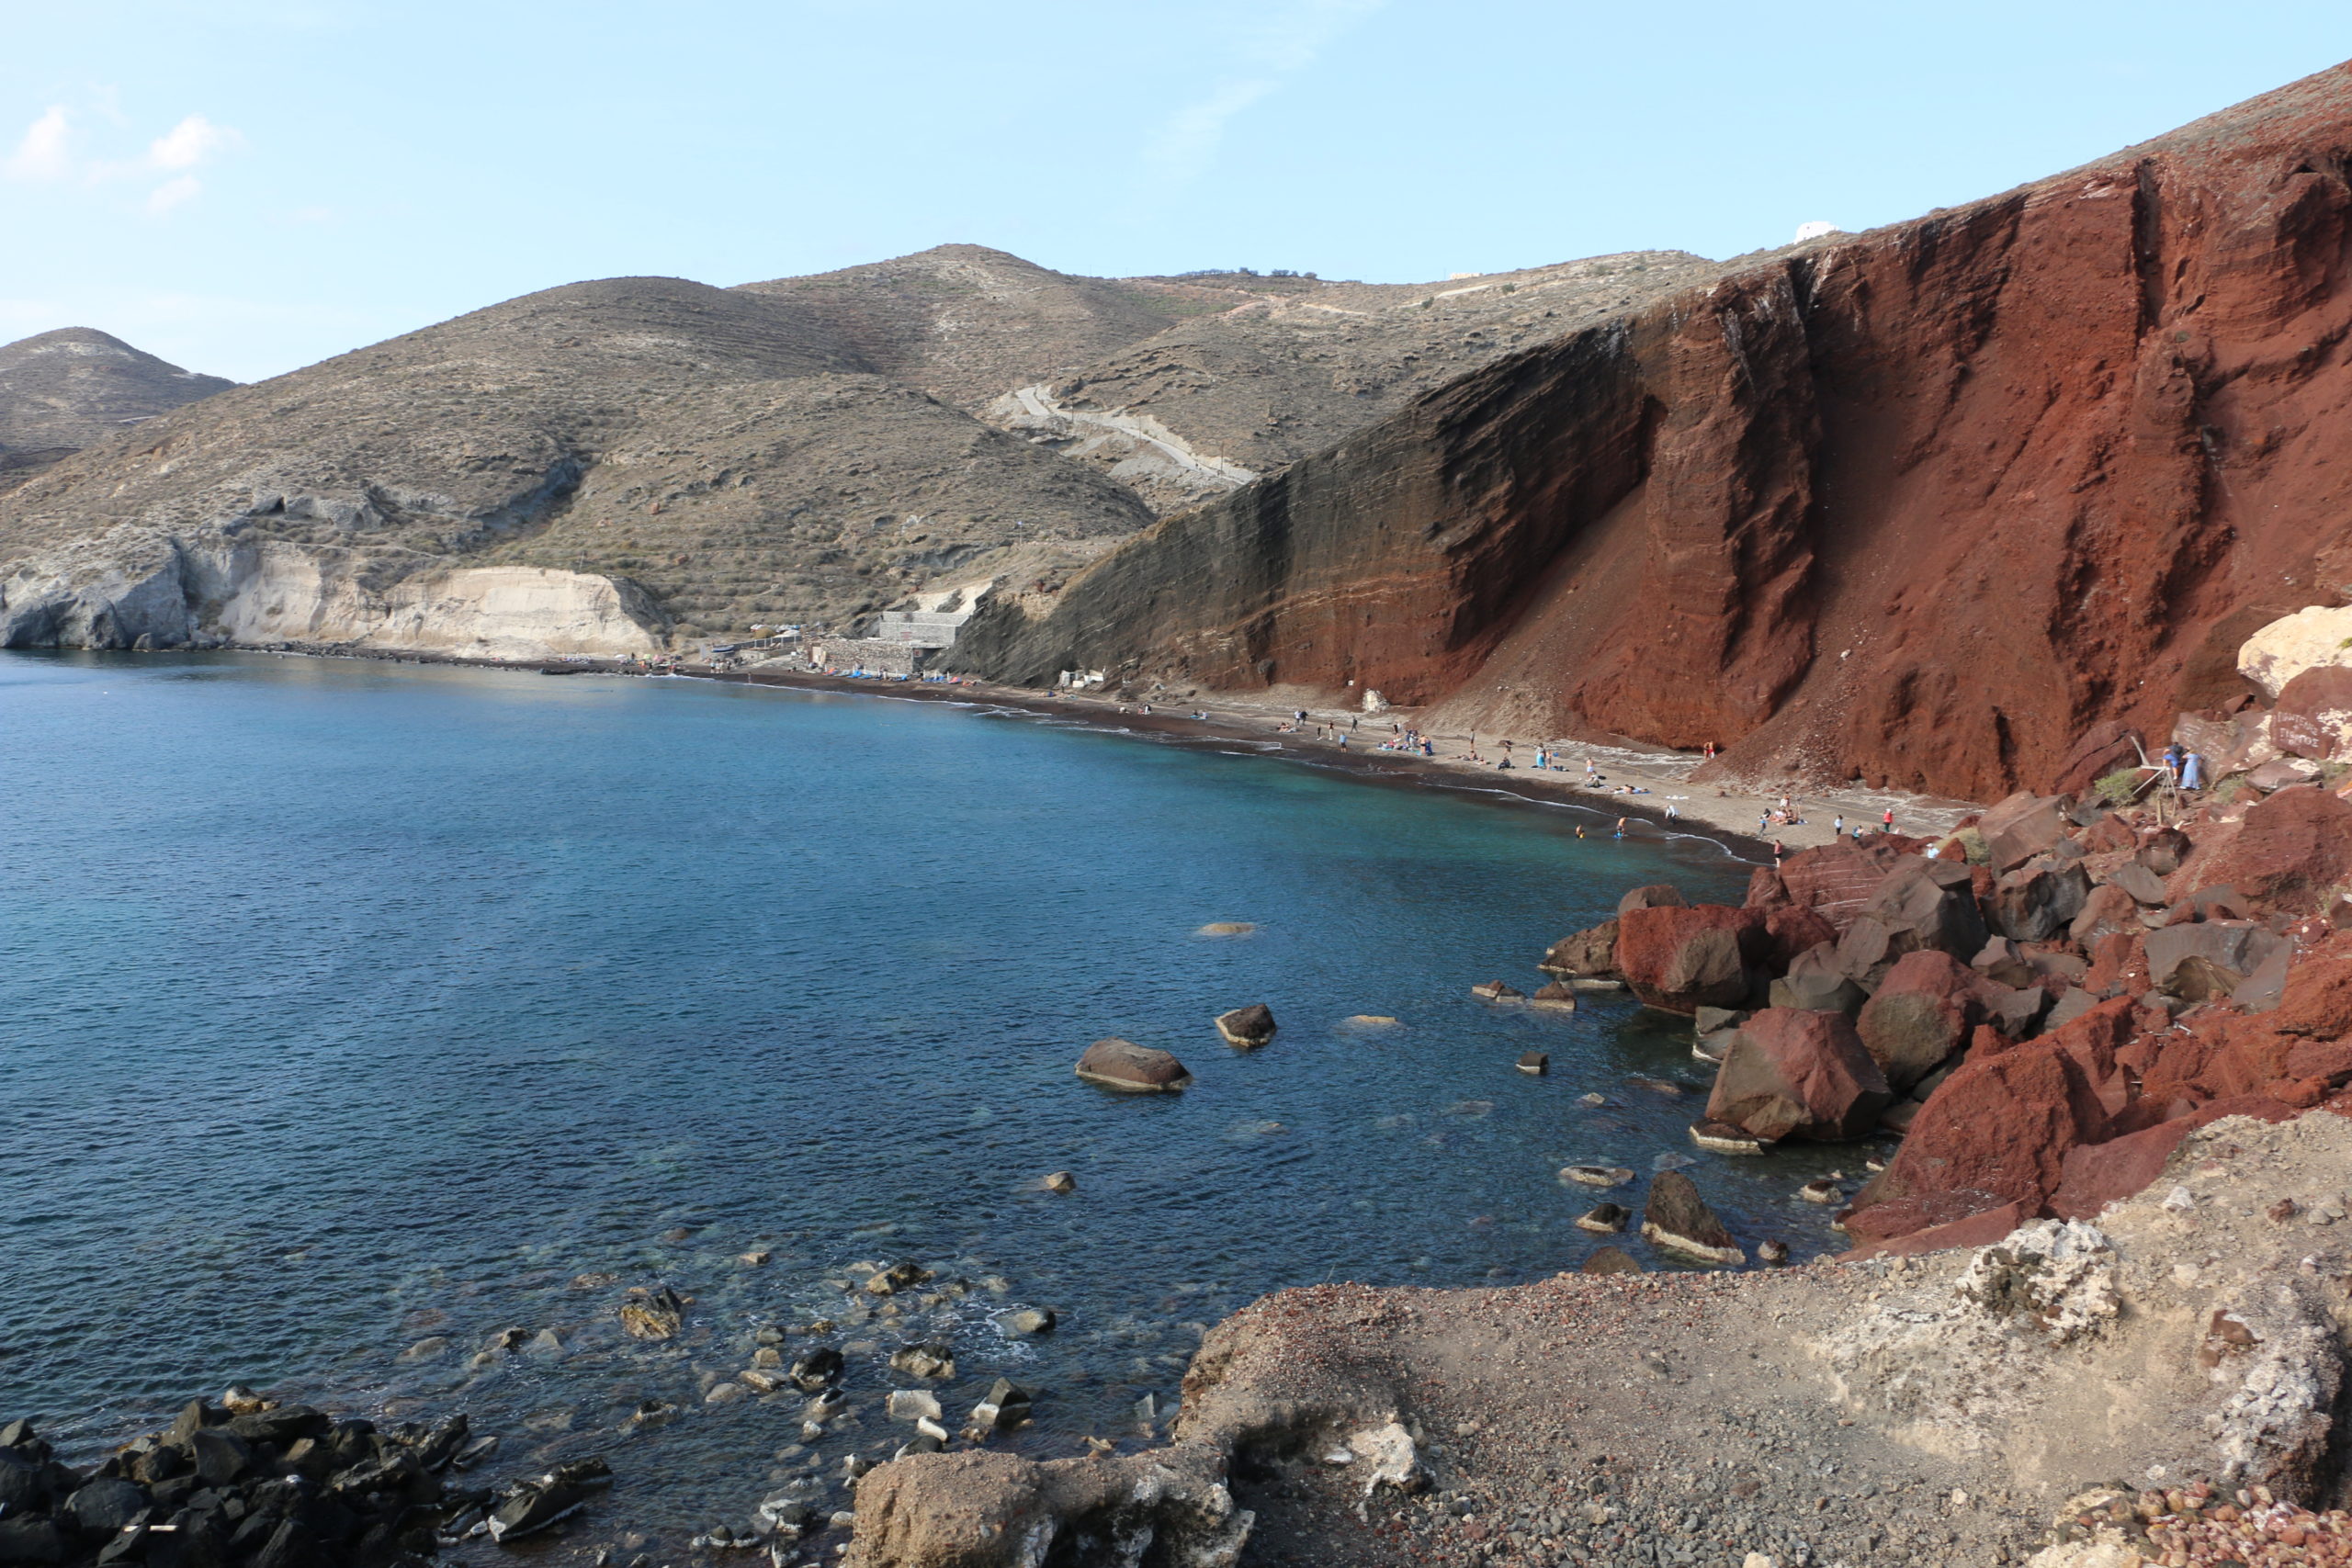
[(2287, 855), (1835, 880), (2003, 1125), (1920, 1014), (2095, 1175), (1799, 1074), (2314, 716), (1682, 960)]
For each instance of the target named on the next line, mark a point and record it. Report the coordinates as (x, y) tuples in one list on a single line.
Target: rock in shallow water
[(1246, 1027), (1676, 1218), (1130, 1068)]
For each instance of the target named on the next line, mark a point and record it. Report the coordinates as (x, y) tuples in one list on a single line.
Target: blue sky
[(247, 185)]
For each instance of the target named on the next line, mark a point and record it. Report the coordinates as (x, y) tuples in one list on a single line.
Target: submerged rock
[(1607, 1219), (655, 1313), (1596, 1175)]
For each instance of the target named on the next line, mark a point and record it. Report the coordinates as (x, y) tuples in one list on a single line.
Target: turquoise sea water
[(346, 1008)]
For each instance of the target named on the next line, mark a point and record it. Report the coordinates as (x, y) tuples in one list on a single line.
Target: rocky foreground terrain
[(2096, 1315)]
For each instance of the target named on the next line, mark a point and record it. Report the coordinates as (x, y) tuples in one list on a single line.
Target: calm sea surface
[(351, 1013)]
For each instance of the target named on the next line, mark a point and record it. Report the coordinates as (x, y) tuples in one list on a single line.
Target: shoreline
[(1718, 813)]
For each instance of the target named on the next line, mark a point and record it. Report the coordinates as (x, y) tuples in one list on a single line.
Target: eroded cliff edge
[(1920, 505)]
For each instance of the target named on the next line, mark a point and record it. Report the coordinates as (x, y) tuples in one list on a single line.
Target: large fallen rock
[(1834, 881), (1684, 959), (1816, 982), (2312, 638), (1799, 1074), (2290, 852), (1921, 904), (2021, 827), (2208, 960), (1653, 895), (1921, 1014), (1131, 1068), (984, 1510), (2038, 901), (2002, 1125), (2313, 718)]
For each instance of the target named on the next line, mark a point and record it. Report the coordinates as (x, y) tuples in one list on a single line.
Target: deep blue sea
[(353, 1012)]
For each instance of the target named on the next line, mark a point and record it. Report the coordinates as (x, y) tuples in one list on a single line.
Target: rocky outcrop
[(171, 596), (2076, 434)]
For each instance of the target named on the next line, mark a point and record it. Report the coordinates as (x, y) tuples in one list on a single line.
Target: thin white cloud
[(190, 143), (1181, 147), (44, 152), (172, 193), (50, 151)]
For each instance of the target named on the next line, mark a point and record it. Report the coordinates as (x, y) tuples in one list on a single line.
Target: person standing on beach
[(1886, 822), (1838, 826), (1621, 826)]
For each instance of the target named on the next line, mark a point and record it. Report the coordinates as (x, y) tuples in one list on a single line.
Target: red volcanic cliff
[(1920, 505)]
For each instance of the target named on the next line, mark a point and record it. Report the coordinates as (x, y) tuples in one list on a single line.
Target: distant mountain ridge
[(76, 387), (805, 450)]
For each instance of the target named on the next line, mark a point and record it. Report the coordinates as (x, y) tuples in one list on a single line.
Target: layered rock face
[(1921, 505)]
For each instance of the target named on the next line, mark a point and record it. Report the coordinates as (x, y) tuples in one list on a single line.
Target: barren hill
[(655, 457), (966, 322), (1920, 505), (724, 452), (1192, 411), (73, 388)]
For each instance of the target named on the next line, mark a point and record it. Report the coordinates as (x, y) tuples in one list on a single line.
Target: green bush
[(2119, 787)]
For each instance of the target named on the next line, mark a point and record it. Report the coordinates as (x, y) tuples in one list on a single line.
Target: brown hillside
[(966, 322), (73, 388), (1919, 505), (722, 449)]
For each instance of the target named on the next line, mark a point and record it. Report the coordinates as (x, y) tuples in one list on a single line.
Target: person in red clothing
[(1887, 822)]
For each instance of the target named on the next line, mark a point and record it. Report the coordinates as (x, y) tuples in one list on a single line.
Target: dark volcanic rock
[(1589, 954), (1675, 1217), (1920, 1014), (1249, 1026)]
